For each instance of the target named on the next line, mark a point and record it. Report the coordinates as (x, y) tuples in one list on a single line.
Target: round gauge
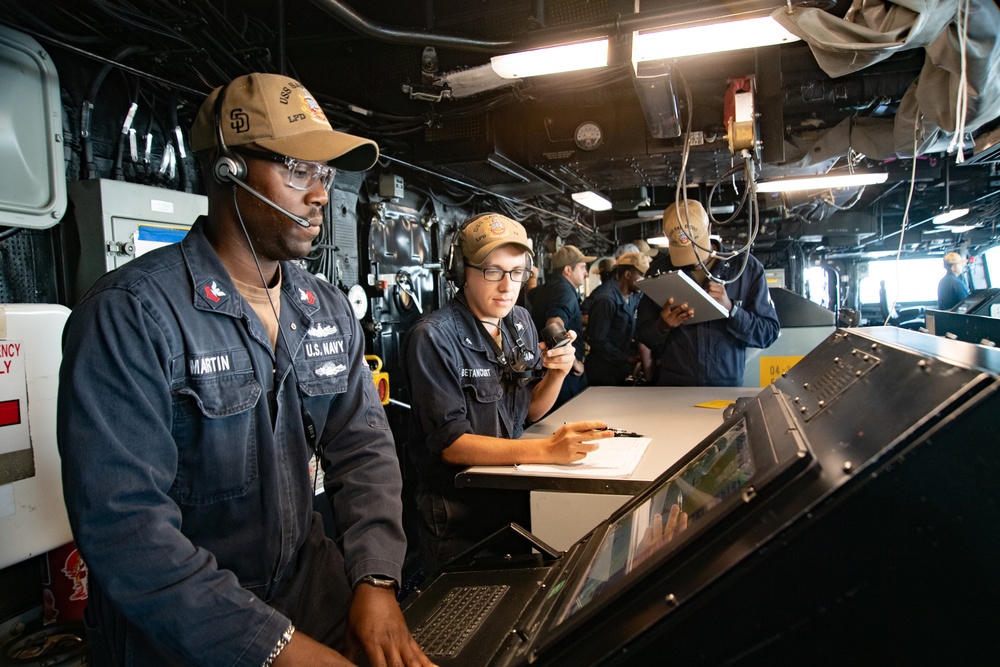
[(359, 300), (588, 135)]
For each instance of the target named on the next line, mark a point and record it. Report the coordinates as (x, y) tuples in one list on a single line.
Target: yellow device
[(381, 378)]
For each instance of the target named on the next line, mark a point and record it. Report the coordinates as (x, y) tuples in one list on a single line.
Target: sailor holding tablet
[(711, 353)]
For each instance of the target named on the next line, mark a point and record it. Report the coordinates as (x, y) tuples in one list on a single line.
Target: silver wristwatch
[(379, 582)]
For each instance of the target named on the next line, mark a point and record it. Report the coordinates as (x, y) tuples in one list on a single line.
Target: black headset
[(456, 258), (228, 165)]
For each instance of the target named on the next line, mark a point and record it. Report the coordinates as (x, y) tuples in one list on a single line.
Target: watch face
[(359, 300), (588, 136)]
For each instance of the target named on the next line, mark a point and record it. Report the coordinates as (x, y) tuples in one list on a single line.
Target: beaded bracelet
[(285, 638)]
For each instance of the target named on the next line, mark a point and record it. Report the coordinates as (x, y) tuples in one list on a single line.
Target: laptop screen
[(677, 508)]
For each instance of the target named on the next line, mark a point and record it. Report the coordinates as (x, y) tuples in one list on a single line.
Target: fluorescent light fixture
[(661, 241), (592, 200), (958, 229), (709, 38), (821, 182), (949, 215), (552, 59)]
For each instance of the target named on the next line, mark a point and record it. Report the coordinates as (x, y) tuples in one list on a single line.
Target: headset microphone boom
[(239, 182)]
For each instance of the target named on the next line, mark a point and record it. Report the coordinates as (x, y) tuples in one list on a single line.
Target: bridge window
[(906, 281), (991, 259)]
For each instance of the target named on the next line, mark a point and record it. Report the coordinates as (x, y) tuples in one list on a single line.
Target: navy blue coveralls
[(712, 354), (951, 291), (610, 335), (188, 494), (558, 298), (457, 388)]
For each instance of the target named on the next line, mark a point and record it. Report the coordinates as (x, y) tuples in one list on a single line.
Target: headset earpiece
[(226, 168), (456, 259), (456, 262), (228, 165)]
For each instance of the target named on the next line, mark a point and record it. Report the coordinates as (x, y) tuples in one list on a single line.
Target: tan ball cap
[(277, 113), (635, 260), (486, 233), (569, 255), (685, 232)]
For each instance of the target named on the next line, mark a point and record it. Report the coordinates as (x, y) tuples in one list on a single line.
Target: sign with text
[(14, 434), (771, 368)]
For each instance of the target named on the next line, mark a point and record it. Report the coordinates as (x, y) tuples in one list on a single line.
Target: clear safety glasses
[(302, 174)]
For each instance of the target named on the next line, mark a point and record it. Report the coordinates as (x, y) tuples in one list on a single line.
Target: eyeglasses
[(495, 275), (302, 174)]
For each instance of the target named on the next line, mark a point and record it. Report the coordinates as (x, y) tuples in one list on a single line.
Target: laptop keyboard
[(456, 618)]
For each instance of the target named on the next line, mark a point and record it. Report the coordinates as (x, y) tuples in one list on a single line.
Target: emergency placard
[(14, 434)]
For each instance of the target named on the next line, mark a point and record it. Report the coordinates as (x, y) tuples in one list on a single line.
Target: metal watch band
[(379, 582)]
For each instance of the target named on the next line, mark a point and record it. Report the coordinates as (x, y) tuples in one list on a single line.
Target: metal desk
[(564, 507)]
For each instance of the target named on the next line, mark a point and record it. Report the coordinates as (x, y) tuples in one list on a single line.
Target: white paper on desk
[(614, 457)]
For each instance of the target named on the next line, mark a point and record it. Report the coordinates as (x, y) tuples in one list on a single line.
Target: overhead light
[(821, 182), (552, 60), (949, 215), (951, 229), (592, 200), (708, 38), (658, 98), (958, 229), (662, 241)]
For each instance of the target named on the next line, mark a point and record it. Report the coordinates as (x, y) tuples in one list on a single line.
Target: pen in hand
[(621, 433)]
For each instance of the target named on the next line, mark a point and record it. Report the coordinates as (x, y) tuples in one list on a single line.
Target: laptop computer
[(523, 614)]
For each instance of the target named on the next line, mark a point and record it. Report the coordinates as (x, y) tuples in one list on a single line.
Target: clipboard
[(683, 289)]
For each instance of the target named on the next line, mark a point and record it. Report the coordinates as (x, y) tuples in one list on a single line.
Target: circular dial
[(588, 135), (359, 300)]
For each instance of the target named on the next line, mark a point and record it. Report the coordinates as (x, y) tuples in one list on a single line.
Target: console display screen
[(676, 510)]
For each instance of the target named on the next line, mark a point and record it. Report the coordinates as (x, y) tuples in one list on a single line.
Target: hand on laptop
[(376, 627)]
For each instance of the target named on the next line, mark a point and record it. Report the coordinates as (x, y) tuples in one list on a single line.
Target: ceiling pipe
[(537, 18), (618, 26), (363, 26)]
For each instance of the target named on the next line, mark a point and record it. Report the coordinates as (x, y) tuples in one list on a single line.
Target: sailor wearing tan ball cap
[(558, 301), (479, 374), (203, 546), (611, 327), (952, 288), (711, 353)]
